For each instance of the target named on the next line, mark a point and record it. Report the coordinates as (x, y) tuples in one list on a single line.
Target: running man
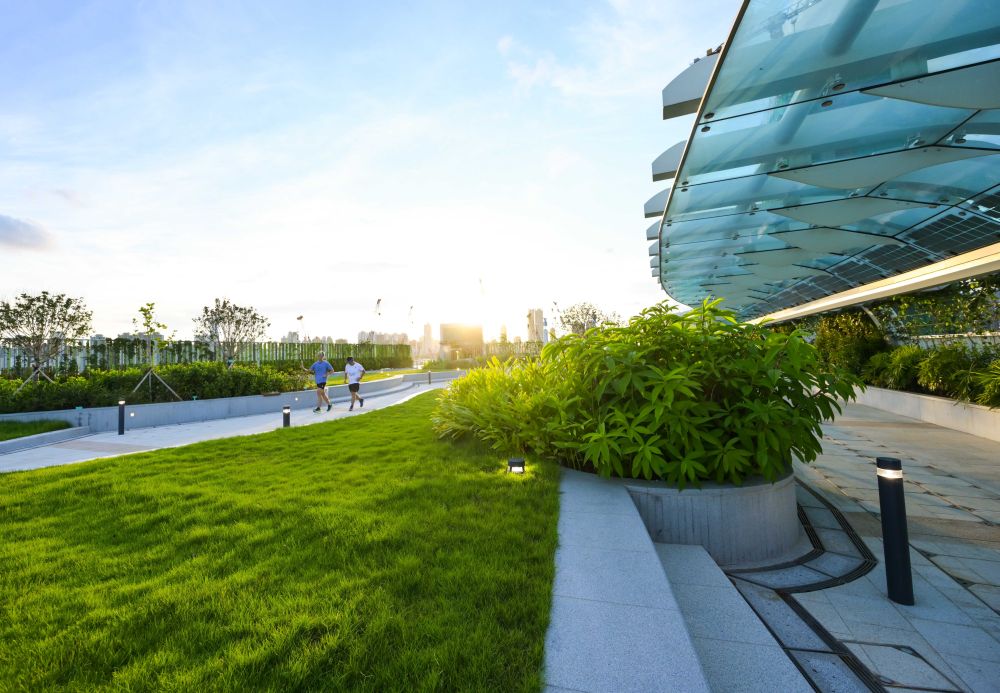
[(320, 370), (353, 373)]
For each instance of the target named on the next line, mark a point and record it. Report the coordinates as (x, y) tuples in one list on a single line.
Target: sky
[(460, 161)]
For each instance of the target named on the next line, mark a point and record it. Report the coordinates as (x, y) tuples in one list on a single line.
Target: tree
[(150, 330), (43, 325), (580, 317), (227, 327)]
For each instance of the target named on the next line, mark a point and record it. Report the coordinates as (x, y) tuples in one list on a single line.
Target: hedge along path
[(360, 554)]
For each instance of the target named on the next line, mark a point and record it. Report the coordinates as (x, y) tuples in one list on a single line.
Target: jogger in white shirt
[(353, 373)]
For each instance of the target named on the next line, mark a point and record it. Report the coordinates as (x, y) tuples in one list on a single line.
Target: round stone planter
[(736, 524)]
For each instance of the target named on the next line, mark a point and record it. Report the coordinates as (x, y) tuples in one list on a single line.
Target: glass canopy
[(838, 142)]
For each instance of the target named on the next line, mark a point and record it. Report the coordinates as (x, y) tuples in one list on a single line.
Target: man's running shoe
[(316, 410), (329, 407), (350, 408), (361, 402)]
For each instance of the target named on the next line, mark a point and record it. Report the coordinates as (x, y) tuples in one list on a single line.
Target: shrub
[(876, 371), (901, 372), (105, 388), (948, 371), (848, 340), (988, 382), (683, 398)]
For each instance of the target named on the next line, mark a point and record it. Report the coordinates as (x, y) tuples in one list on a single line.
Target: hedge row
[(105, 388), (957, 369)]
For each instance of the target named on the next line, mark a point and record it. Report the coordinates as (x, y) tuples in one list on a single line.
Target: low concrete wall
[(968, 418), (163, 414), (736, 524), (26, 442)]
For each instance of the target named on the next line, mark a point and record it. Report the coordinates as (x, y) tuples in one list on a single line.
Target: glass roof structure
[(836, 144)]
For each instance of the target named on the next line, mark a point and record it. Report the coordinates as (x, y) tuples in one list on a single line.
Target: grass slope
[(18, 429), (360, 554)]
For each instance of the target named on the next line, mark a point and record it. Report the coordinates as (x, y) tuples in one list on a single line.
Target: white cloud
[(19, 233), (627, 48)]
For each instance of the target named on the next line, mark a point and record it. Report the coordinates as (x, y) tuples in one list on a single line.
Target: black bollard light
[(895, 540), (121, 417), (428, 377), (286, 416)]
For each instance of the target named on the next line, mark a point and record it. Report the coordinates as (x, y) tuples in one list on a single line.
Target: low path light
[(515, 465), (286, 416), (121, 417), (895, 539)]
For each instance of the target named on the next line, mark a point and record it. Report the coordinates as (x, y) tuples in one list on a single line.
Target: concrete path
[(950, 639), (110, 444)]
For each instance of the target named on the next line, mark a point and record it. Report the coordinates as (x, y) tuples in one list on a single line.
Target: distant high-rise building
[(536, 326)]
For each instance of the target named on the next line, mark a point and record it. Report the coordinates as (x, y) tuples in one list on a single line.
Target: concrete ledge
[(615, 624), (166, 413), (736, 524), (26, 442), (959, 416)]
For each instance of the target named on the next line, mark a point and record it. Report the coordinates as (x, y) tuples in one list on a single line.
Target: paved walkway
[(950, 639), (110, 444)]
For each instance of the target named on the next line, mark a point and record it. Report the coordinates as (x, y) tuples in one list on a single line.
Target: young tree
[(150, 331), (43, 325), (580, 317), (227, 327)]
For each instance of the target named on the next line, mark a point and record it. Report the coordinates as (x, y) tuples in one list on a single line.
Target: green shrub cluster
[(848, 340), (105, 388), (954, 370), (682, 398)]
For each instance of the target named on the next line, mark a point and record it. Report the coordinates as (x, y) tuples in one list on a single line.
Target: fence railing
[(120, 354)]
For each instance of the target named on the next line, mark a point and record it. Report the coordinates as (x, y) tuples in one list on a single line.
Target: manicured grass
[(18, 429), (360, 554)]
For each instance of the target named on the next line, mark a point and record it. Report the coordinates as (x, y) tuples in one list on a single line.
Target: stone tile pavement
[(950, 639)]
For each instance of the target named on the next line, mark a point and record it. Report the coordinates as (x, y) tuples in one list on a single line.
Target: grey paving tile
[(989, 570), (787, 626), (837, 542), (964, 641), (788, 577), (880, 635), (954, 514), (623, 577), (959, 568), (829, 672), (877, 610), (822, 517), (927, 499), (736, 667), (988, 504), (980, 676), (990, 594), (901, 666), (721, 614), (578, 655), (835, 564), (690, 565), (954, 547), (611, 531)]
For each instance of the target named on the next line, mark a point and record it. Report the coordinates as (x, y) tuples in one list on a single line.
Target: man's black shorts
[(354, 387), (321, 385)]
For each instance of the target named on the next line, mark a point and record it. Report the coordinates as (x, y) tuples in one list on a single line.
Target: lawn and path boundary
[(352, 555)]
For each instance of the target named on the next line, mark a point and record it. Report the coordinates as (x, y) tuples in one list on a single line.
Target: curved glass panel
[(753, 194), (788, 51), (947, 184), (805, 134)]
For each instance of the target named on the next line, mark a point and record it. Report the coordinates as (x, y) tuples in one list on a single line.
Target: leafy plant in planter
[(683, 398)]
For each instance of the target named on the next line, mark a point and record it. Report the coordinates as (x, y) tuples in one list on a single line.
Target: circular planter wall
[(736, 524)]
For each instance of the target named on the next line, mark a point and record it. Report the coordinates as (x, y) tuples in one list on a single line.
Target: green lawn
[(18, 429), (359, 554)]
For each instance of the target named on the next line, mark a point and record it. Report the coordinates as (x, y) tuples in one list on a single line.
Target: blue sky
[(471, 160)]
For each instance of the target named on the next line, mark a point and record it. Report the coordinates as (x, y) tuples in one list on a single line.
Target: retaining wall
[(959, 416), (736, 524)]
